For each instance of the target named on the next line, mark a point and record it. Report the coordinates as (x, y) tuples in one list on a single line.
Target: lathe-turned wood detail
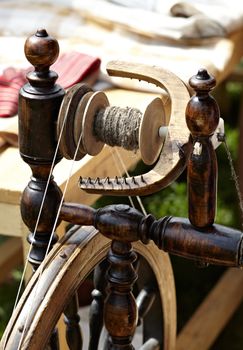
[(215, 244), (53, 125), (120, 311), (96, 311), (202, 117), (71, 319), (39, 102)]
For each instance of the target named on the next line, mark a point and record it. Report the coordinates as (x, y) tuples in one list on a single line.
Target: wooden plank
[(10, 256), (12, 184), (212, 315), (11, 223)]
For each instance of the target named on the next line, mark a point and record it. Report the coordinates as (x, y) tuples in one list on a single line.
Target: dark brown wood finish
[(77, 213), (202, 117), (39, 103), (96, 311), (120, 309), (215, 244), (73, 333)]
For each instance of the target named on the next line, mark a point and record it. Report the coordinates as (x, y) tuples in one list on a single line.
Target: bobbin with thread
[(124, 127)]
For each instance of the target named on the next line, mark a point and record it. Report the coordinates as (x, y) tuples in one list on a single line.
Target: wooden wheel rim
[(64, 268)]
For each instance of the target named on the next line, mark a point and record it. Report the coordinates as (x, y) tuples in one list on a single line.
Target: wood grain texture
[(68, 263), (175, 151), (202, 118), (213, 314)]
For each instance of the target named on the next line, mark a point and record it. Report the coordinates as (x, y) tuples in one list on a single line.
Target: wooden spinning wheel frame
[(64, 269), (188, 143)]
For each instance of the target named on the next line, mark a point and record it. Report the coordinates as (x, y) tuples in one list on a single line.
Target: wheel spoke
[(151, 344), (97, 305), (144, 301), (73, 332)]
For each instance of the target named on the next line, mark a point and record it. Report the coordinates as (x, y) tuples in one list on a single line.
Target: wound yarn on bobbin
[(118, 126)]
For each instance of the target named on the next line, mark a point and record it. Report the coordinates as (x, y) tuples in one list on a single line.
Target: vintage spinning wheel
[(52, 125), (65, 268)]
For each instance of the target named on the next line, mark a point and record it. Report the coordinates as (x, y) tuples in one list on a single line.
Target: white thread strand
[(39, 215), (235, 179), (126, 172), (56, 219), (55, 223), (120, 172)]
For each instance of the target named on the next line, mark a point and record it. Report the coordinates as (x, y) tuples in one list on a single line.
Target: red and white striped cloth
[(71, 68), (10, 82)]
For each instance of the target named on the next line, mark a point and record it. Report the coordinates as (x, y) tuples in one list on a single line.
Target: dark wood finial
[(41, 50), (202, 80), (202, 118), (202, 113), (39, 103)]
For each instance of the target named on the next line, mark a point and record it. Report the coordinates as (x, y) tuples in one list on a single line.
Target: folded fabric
[(158, 19), (20, 18), (71, 68), (161, 20), (74, 67), (10, 82)]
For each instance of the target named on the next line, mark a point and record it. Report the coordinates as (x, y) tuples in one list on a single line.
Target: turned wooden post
[(120, 223), (39, 102), (202, 118), (120, 311), (96, 310), (73, 334)]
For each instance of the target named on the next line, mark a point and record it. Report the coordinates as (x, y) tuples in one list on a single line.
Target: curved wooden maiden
[(176, 149)]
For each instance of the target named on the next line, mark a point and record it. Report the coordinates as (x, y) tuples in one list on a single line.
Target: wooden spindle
[(97, 305), (217, 245), (73, 332), (120, 312), (202, 118), (54, 340), (144, 302), (39, 102), (150, 308)]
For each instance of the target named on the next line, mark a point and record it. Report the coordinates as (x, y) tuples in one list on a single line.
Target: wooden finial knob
[(202, 112), (41, 50), (202, 118), (202, 81)]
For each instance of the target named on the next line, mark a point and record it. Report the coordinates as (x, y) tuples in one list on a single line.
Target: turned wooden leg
[(120, 312)]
